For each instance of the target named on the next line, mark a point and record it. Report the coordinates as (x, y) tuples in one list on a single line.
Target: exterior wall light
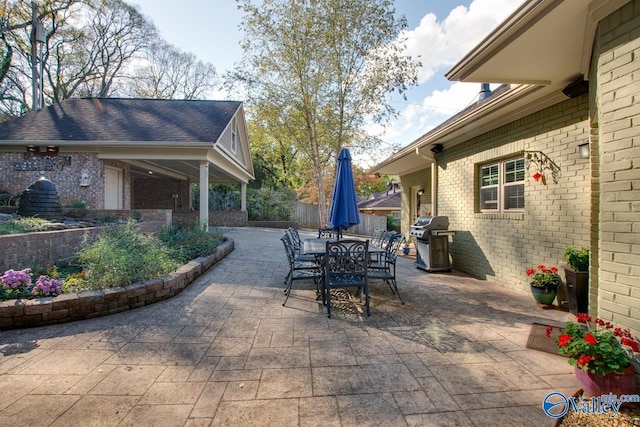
[(583, 150)]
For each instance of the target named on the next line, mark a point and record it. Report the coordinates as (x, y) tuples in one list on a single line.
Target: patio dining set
[(332, 261)]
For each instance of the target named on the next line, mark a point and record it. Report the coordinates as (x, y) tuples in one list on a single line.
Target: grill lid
[(432, 223)]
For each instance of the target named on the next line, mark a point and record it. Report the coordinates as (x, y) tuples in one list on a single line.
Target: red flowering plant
[(544, 277), (599, 349)]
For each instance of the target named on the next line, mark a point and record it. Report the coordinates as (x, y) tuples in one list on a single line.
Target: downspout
[(434, 188), (434, 180)]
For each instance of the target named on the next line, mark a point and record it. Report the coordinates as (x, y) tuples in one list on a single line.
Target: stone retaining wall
[(43, 247), (86, 305)]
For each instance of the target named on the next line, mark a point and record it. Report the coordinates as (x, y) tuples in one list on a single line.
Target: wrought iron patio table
[(318, 247)]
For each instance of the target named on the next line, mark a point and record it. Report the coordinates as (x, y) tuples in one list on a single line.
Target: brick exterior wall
[(67, 180), (617, 53), (157, 193), (501, 246)]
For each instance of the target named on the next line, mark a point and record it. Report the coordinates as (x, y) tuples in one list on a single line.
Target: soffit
[(543, 42)]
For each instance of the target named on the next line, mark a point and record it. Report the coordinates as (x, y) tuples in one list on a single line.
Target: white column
[(243, 197), (204, 193)]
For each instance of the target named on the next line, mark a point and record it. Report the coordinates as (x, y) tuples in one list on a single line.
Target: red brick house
[(128, 153)]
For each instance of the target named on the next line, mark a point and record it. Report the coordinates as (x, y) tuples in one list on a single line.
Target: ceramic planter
[(544, 296)]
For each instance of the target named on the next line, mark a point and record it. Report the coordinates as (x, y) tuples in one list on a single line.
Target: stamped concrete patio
[(225, 352)]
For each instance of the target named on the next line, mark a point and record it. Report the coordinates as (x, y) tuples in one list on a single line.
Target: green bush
[(123, 255), (578, 259), (77, 204), (20, 225), (184, 244)]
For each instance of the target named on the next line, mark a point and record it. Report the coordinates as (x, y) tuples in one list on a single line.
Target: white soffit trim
[(542, 42)]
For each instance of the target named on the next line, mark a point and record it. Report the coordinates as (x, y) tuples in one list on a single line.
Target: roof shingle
[(120, 120)]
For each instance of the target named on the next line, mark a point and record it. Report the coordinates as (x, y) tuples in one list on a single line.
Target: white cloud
[(417, 119), (442, 44)]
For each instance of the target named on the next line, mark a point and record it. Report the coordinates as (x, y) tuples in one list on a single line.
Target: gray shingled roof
[(117, 119), (382, 200)]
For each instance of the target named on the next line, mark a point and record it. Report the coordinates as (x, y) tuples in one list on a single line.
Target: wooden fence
[(307, 216)]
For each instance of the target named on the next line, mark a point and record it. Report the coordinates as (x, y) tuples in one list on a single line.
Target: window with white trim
[(502, 186)]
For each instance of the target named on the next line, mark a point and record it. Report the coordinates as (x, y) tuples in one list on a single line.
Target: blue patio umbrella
[(344, 207)]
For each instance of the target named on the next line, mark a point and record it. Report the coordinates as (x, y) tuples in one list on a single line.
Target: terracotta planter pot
[(618, 384)]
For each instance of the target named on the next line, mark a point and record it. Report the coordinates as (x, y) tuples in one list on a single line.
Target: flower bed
[(19, 313)]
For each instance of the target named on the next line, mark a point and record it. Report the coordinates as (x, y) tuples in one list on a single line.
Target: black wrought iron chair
[(298, 269), (329, 233), (376, 237), (345, 266), (384, 266), (296, 241)]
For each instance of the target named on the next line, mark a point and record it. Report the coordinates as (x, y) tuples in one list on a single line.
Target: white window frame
[(501, 185)]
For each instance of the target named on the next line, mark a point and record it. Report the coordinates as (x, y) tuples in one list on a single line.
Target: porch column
[(243, 197), (204, 193)]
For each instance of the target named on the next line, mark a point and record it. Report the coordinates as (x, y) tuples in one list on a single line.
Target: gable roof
[(119, 120), (389, 199), (382, 201)]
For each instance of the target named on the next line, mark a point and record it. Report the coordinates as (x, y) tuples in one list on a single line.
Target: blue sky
[(441, 32)]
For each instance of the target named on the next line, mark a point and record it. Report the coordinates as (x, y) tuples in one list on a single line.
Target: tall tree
[(88, 49), (88, 59), (320, 69), (16, 22), (169, 73)]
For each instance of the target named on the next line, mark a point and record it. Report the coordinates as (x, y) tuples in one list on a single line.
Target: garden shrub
[(123, 255), (18, 225), (184, 244)]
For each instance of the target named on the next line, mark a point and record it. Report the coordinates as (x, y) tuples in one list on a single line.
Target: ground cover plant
[(19, 225), (120, 256)]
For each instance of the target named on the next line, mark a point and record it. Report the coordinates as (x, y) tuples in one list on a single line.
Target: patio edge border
[(22, 313)]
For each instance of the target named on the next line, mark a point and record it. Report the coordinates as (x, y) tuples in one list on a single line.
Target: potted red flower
[(544, 283), (601, 355)]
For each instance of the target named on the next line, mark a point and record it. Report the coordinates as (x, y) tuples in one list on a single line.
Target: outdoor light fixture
[(84, 179), (583, 150), (420, 192), (52, 149)]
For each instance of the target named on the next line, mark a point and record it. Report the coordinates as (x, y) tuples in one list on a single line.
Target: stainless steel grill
[(432, 243)]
